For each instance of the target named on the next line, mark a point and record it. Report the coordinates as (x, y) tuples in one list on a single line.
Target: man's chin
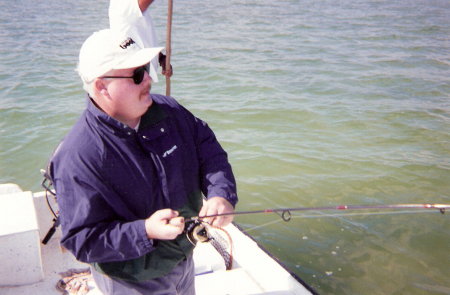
[(146, 96)]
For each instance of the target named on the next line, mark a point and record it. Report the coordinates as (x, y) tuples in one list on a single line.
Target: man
[(129, 172), (132, 17)]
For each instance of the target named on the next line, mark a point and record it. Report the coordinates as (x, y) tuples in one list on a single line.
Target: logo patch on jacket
[(172, 149)]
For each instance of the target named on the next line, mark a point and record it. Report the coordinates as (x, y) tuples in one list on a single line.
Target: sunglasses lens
[(138, 75)]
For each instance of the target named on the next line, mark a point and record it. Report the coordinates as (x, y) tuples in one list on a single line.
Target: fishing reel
[(196, 231)]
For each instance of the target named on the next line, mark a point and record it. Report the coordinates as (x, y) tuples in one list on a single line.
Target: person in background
[(131, 169), (132, 17)]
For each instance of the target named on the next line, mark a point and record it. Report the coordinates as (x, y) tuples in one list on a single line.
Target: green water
[(317, 103)]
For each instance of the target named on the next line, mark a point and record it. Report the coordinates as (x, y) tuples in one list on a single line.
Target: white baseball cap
[(107, 50)]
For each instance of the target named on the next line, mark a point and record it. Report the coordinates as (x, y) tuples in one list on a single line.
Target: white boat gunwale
[(293, 274)]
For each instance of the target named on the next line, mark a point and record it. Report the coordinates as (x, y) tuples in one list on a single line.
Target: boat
[(30, 267)]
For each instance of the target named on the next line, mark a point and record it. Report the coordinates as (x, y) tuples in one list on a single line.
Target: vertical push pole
[(168, 44)]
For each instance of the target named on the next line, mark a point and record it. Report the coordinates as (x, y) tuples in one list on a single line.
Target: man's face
[(126, 100)]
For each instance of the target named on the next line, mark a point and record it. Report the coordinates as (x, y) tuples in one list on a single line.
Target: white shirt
[(126, 17)]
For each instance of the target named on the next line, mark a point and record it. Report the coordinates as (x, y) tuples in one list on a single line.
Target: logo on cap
[(126, 43)]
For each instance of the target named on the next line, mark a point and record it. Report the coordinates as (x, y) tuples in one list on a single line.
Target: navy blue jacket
[(110, 178)]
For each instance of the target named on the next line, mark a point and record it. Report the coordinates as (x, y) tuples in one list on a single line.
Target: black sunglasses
[(138, 74)]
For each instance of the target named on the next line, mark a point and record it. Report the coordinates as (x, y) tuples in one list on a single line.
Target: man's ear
[(100, 88)]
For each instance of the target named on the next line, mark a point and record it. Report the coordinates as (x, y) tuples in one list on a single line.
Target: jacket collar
[(152, 116)]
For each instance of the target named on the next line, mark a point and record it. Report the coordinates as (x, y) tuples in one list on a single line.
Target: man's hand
[(162, 62), (217, 205), (168, 73), (144, 4), (164, 225)]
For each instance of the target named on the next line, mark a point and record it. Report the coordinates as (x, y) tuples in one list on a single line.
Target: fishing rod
[(285, 213), (168, 43)]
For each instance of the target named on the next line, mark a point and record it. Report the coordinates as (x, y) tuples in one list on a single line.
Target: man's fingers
[(214, 206), (203, 210), (207, 211), (217, 221), (164, 224), (177, 221), (166, 214)]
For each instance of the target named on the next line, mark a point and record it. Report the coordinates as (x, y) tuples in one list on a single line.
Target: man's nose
[(147, 77)]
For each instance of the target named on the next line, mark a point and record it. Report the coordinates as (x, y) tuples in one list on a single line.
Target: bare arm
[(144, 4)]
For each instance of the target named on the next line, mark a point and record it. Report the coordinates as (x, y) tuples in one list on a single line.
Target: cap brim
[(142, 57)]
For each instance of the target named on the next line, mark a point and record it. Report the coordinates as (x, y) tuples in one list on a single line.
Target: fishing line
[(324, 215), (285, 213)]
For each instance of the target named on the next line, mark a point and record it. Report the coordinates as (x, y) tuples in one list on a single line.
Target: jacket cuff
[(144, 242)]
